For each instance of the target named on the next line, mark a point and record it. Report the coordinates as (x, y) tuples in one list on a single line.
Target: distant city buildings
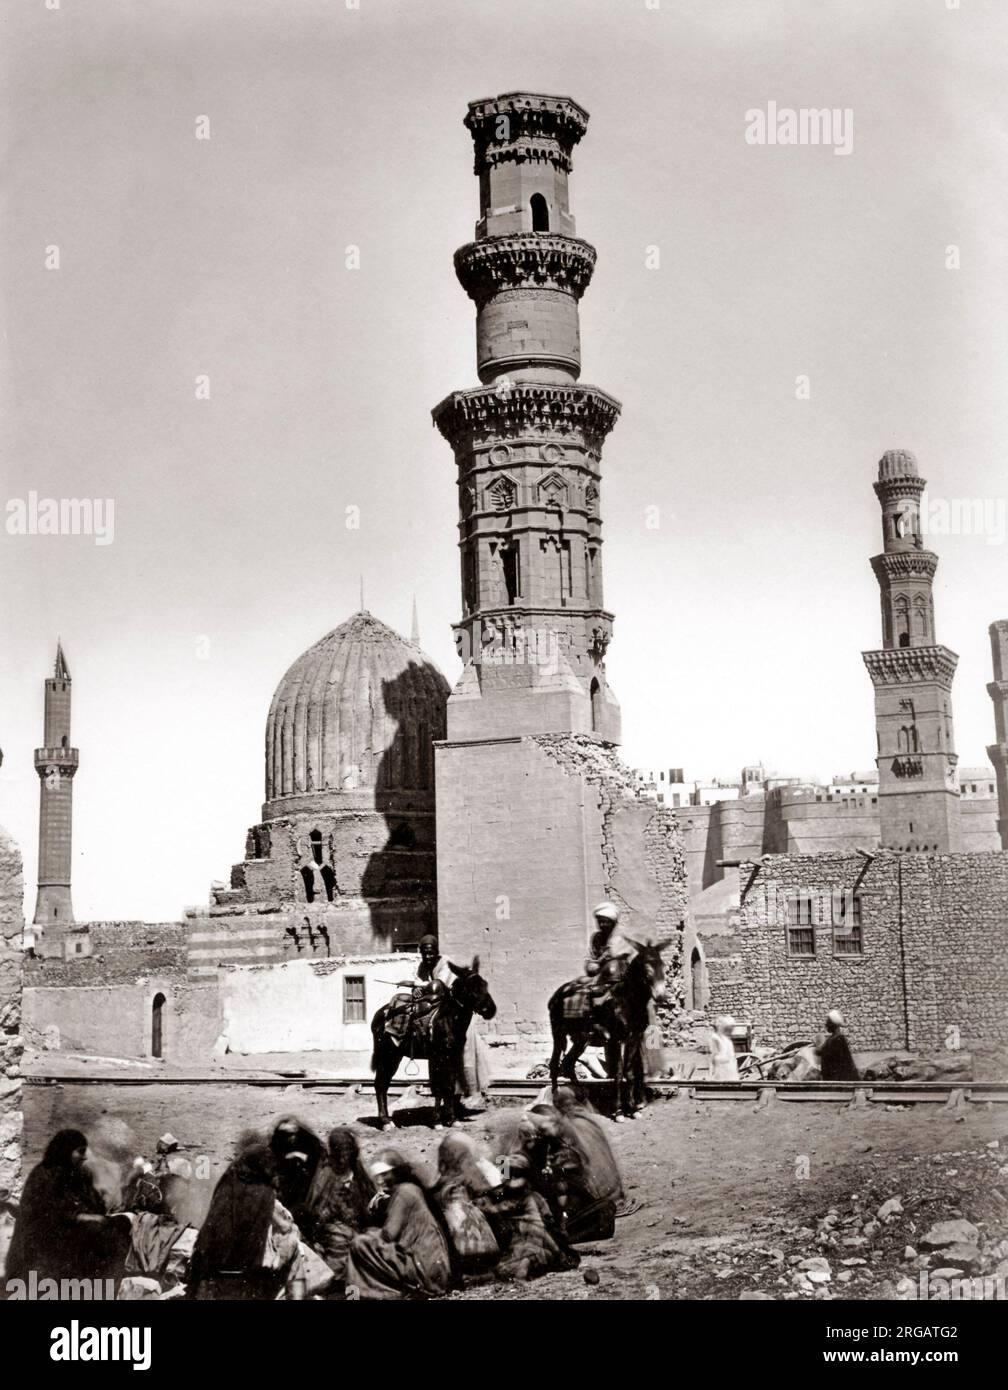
[(670, 786)]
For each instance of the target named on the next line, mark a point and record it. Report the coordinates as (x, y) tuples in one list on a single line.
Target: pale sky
[(739, 620)]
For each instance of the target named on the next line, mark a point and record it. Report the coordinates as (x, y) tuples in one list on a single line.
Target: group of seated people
[(294, 1218)]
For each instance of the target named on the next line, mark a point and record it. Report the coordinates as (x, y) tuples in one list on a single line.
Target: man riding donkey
[(409, 1015), (411, 1010), (611, 1005)]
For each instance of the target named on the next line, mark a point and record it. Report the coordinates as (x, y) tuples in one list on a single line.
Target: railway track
[(951, 1093)]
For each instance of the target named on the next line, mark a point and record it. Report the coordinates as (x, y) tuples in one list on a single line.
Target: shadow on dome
[(400, 879)]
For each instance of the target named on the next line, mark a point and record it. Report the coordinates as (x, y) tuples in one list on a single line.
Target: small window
[(540, 213), (353, 999), (847, 935), (803, 917)]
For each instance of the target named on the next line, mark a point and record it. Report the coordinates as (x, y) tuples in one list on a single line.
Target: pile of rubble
[(918, 1244), (684, 1028)]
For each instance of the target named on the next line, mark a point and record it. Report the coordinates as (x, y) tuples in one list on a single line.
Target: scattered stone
[(891, 1208), (962, 1253), (592, 1276), (909, 1253), (751, 1296), (944, 1233)]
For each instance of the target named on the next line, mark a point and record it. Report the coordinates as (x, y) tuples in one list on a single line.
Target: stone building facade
[(913, 948)]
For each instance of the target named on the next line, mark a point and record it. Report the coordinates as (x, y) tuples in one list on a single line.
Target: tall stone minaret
[(528, 442), (998, 751), (55, 763), (912, 675)]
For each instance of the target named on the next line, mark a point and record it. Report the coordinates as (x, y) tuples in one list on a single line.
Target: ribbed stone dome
[(357, 711), (897, 463)]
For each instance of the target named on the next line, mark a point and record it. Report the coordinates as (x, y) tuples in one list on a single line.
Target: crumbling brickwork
[(11, 1044), (933, 968)]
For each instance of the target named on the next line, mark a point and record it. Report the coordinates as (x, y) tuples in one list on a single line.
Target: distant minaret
[(998, 751), (912, 675), (415, 627), (55, 763)]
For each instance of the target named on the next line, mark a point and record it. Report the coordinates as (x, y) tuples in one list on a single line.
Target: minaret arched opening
[(595, 690), (540, 213), (157, 1025)]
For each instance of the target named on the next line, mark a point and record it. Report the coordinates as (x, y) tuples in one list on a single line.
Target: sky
[(203, 356)]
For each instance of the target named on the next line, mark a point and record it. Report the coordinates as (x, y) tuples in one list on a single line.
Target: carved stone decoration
[(501, 494), (907, 767), (553, 490), (599, 643), (499, 455), (524, 260), (592, 499), (468, 417)]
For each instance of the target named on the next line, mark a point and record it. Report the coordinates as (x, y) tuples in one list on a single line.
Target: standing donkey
[(617, 1023), (439, 1036)]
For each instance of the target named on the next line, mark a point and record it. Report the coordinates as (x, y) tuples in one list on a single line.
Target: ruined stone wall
[(11, 1043), (116, 1020), (532, 833), (797, 822), (934, 966)]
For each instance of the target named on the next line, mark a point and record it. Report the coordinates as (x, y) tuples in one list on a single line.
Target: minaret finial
[(62, 671), (415, 627), (362, 608)]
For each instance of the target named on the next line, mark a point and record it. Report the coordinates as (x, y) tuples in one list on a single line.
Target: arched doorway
[(595, 691), (157, 1026), (697, 978)]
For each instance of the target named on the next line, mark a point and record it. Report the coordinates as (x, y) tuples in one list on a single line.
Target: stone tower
[(527, 443), (55, 763), (912, 675), (998, 751), (537, 820)]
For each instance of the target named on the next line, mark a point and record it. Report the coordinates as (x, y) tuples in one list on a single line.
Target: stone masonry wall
[(532, 833), (11, 1046), (934, 967)]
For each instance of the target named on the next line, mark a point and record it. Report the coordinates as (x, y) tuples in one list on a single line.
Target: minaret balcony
[(66, 759), (524, 260)]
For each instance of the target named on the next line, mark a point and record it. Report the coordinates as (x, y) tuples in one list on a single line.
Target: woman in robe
[(409, 1256), (603, 1198), (297, 1151), (62, 1231), (530, 1241), (465, 1175), (339, 1202), (247, 1247)]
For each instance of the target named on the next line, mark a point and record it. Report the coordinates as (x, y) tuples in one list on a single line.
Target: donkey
[(439, 1037), (618, 1023)]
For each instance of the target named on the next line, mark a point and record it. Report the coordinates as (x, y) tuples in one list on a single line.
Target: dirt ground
[(732, 1199)]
